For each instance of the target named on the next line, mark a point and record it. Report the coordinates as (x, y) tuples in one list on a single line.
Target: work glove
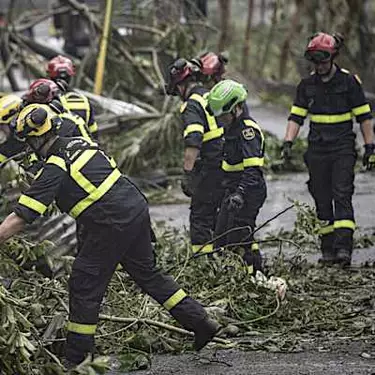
[(369, 156), (187, 183), (236, 201), (286, 150)]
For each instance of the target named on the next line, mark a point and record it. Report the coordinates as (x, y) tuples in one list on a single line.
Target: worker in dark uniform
[(203, 153), (245, 186), (86, 184), (61, 70), (332, 97)]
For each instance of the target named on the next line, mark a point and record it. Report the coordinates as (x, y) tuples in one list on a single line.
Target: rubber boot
[(328, 252), (78, 346), (205, 332), (343, 258)]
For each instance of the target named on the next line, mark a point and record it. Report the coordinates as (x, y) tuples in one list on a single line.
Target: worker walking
[(203, 152), (331, 96), (85, 182), (245, 187)]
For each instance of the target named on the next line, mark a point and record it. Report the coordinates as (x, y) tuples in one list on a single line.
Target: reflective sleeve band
[(213, 134), (193, 128), (299, 111), (56, 160), (2, 158), (96, 194), (83, 329), (174, 300), (331, 119), (361, 110), (202, 249), (232, 167), (253, 162), (33, 204), (348, 224), (326, 230), (93, 127), (254, 246)]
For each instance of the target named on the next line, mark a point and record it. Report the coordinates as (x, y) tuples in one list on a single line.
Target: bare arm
[(292, 131), (367, 131), (190, 155), (11, 226)]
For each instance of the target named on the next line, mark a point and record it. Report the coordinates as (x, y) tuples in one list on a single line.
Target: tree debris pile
[(321, 305)]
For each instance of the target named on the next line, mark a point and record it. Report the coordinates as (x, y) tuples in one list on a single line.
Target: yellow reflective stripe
[(32, 157), (206, 248), (255, 246), (250, 269), (253, 162), (326, 230), (33, 204), (60, 162), (174, 300), (232, 167), (212, 124), (96, 194), (77, 176), (212, 134), (299, 111), (193, 128), (93, 127), (349, 224), (361, 110), (331, 119), (2, 158), (84, 329)]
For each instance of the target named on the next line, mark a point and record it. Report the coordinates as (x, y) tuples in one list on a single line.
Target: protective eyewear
[(318, 56)]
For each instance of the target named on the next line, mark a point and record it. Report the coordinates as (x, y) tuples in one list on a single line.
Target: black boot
[(205, 332), (343, 257), (328, 252)]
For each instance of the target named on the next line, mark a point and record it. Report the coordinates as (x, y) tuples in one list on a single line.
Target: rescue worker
[(61, 69), (203, 153), (86, 183), (243, 180), (331, 96)]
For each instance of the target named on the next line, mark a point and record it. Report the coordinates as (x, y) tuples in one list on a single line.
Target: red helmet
[(61, 67), (42, 91), (178, 72), (213, 64), (322, 47)]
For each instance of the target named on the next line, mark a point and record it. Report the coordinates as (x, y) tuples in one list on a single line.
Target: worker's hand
[(286, 150), (369, 156), (236, 201), (187, 183)]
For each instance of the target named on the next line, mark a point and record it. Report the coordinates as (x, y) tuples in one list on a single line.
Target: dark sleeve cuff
[(297, 119), (364, 117), (25, 213), (194, 140)]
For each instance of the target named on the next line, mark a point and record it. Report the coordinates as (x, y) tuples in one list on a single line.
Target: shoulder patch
[(248, 133), (183, 107), (358, 79), (345, 71)]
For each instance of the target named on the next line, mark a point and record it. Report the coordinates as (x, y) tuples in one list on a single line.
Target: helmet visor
[(318, 56)]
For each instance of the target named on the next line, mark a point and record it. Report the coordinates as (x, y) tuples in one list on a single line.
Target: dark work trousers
[(205, 204), (101, 251), (246, 217), (331, 184)]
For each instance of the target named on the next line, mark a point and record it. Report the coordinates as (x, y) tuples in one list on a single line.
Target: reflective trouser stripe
[(208, 248), (255, 246), (174, 300), (84, 329), (326, 230), (250, 269), (347, 224)]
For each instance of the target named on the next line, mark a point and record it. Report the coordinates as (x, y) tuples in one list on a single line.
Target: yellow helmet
[(9, 107), (35, 120)]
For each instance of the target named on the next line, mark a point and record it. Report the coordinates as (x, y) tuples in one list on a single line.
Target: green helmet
[(224, 96)]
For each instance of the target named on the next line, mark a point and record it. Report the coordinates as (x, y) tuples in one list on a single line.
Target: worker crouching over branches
[(331, 96), (86, 183), (242, 165)]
